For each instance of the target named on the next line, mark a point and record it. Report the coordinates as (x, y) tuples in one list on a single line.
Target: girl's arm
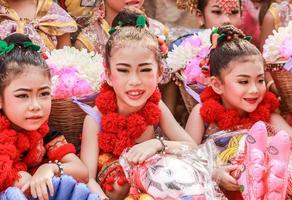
[(278, 121), (63, 40), (195, 125), (68, 162), (89, 153), (175, 133), (89, 149), (73, 166), (41, 181), (266, 28)]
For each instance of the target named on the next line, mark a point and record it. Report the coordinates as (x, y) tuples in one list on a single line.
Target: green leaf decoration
[(31, 45), (112, 30), (5, 48), (248, 38), (215, 30), (241, 188), (121, 24), (221, 37), (141, 21)]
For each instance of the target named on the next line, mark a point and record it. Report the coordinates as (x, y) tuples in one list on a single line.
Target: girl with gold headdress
[(43, 21), (210, 13), (214, 13)]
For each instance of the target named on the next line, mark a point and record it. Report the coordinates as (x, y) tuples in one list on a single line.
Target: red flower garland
[(12, 147), (117, 131), (212, 111)]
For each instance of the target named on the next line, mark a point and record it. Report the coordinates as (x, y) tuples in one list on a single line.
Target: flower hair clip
[(141, 21), (5, 48), (162, 46), (114, 28), (29, 44), (216, 38)]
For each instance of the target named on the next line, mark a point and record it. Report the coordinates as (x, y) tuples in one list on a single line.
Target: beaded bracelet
[(59, 165), (164, 146)]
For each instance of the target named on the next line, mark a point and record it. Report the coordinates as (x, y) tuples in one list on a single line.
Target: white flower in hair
[(278, 47)]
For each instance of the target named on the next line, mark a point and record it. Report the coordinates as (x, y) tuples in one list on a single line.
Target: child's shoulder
[(93, 116), (196, 109)]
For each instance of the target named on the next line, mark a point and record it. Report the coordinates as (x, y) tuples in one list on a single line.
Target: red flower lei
[(117, 131), (212, 111), (13, 145)]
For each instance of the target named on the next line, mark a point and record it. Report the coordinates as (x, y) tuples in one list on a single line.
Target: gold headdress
[(227, 5), (190, 5)]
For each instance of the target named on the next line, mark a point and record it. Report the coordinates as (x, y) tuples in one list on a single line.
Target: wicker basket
[(189, 101), (67, 117), (283, 81)]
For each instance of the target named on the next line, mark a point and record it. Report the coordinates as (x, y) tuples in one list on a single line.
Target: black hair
[(231, 47), (129, 33), (128, 16), (19, 60)]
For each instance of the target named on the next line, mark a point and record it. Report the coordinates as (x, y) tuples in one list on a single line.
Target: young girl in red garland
[(130, 108), (25, 107), (237, 96)]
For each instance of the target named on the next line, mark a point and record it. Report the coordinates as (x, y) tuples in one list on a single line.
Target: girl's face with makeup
[(26, 100), (215, 16), (134, 75), (242, 84)]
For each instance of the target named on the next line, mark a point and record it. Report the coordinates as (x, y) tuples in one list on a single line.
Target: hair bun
[(230, 33), (128, 17)]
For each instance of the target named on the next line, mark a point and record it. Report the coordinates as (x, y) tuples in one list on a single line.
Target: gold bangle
[(269, 84)]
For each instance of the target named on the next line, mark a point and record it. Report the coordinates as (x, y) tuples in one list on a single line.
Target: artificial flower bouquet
[(186, 57), (277, 52), (76, 76), (74, 72), (185, 62)]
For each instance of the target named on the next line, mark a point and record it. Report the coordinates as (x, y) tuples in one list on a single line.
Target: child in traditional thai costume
[(25, 107), (237, 96), (95, 36), (130, 109), (44, 21), (209, 13)]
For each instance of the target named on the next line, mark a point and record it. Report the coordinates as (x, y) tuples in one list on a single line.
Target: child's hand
[(95, 188), (41, 180), (224, 179), (24, 182), (144, 150)]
